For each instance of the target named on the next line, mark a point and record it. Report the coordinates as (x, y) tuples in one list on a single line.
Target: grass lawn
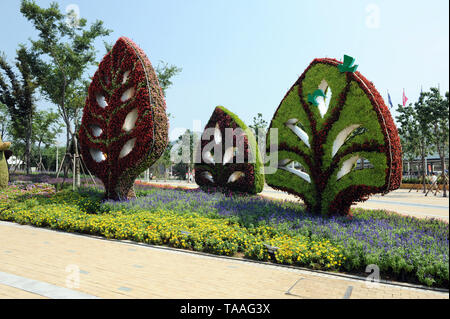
[(404, 248)]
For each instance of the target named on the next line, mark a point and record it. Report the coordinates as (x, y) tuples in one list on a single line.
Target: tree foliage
[(46, 127), (424, 128), (259, 127), (61, 55), (165, 73), (4, 120), (18, 95)]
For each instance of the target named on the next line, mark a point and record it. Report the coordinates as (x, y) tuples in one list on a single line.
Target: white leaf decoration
[(127, 148), (324, 103), (208, 158), (347, 166), (284, 162), (235, 176), (298, 131), (96, 130), (341, 137), (101, 100), (128, 94), (322, 106), (97, 155), (323, 85), (208, 176), (328, 95), (130, 120), (217, 134), (125, 77), (299, 173), (229, 154)]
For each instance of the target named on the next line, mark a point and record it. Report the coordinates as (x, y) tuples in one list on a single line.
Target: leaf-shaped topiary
[(237, 166), (4, 175), (124, 128), (330, 120)]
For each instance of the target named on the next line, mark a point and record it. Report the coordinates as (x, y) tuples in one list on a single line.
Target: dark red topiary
[(124, 128)]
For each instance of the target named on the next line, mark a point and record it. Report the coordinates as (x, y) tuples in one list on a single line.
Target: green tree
[(108, 46), (184, 148), (165, 73), (258, 124), (46, 127), (163, 163), (18, 96), (416, 132), (436, 112), (259, 128), (409, 133), (409, 151), (4, 120), (61, 56), (75, 103)]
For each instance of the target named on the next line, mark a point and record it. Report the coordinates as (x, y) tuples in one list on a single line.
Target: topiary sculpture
[(124, 128), (331, 119), (4, 175), (237, 165)]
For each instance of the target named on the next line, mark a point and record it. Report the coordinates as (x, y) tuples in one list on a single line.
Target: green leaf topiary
[(235, 167), (331, 119), (4, 175)]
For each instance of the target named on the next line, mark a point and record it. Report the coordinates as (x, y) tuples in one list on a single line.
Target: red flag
[(405, 99)]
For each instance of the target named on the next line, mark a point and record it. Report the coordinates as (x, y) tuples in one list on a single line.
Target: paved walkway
[(401, 201), (40, 263)]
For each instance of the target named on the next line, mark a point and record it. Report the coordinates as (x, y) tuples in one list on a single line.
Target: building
[(433, 163)]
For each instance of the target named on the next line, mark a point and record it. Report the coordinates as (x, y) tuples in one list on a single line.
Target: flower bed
[(404, 248)]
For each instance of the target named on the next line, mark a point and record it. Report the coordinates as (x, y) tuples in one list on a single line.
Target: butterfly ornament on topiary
[(339, 141), (124, 128)]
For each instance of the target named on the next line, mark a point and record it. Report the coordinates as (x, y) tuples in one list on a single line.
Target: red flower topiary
[(124, 128)]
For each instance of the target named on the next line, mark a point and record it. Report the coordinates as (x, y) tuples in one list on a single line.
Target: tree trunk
[(409, 168), (424, 171), (40, 157), (67, 150), (444, 176), (77, 163), (28, 143), (441, 151)]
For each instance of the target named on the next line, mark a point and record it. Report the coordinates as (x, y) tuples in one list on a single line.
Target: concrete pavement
[(41, 263)]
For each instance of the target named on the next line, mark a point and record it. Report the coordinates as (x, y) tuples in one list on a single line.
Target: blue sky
[(246, 54)]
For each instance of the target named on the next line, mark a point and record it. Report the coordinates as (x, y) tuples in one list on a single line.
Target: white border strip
[(41, 288)]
